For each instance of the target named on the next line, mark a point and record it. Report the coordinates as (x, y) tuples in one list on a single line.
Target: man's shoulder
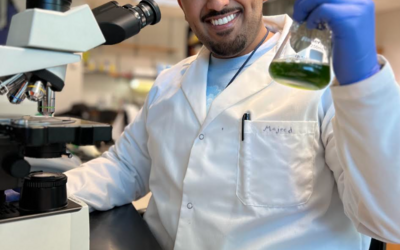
[(176, 71), (170, 79)]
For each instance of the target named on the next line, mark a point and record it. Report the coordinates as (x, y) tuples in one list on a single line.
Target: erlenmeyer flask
[(304, 58)]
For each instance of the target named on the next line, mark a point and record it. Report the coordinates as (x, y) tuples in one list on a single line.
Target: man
[(327, 180)]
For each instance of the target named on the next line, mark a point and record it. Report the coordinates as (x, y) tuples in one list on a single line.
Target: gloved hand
[(353, 25), (11, 195)]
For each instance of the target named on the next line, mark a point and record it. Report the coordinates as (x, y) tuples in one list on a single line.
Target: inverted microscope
[(42, 41)]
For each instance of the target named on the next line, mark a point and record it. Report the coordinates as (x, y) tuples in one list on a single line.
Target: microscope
[(42, 41)]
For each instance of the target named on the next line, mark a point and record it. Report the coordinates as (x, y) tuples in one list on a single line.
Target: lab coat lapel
[(254, 78), (250, 81), (194, 84)]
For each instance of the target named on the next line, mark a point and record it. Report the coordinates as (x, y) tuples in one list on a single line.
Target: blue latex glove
[(353, 26), (11, 195)]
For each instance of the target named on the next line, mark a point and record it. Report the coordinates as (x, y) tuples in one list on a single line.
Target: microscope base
[(68, 230)]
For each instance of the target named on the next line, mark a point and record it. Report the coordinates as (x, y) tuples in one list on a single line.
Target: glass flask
[(304, 58)]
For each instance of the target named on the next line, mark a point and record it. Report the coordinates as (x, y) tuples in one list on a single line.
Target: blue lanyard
[(248, 59)]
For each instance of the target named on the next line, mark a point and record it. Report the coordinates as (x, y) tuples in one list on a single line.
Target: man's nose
[(217, 5)]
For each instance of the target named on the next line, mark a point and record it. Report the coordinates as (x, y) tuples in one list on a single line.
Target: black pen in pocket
[(246, 117)]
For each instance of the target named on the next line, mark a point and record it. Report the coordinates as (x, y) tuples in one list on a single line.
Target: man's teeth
[(224, 20)]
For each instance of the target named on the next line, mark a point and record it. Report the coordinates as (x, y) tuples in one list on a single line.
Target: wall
[(388, 37), (106, 92)]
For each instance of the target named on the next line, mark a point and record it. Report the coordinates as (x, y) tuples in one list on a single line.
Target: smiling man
[(228, 29), (237, 161)]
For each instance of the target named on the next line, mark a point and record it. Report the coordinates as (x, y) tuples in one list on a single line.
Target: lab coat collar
[(194, 81)]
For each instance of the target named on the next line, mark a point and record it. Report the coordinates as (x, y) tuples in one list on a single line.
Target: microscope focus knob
[(19, 168), (44, 192)]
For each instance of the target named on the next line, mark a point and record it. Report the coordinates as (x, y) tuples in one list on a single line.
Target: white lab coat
[(303, 178)]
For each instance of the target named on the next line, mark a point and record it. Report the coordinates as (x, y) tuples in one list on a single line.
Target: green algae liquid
[(302, 75)]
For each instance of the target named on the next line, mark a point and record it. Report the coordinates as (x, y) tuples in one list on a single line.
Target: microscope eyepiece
[(153, 13), (119, 23), (56, 5)]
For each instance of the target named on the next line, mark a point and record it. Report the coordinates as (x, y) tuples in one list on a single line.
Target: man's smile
[(224, 22)]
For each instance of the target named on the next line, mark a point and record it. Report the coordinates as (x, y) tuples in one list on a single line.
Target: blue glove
[(353, 26), (11, 195)]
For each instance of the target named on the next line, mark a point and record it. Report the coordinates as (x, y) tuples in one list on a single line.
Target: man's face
[(226, 27)]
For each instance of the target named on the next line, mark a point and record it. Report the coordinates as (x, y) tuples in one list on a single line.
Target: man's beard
[(232, 48), (229, 48)]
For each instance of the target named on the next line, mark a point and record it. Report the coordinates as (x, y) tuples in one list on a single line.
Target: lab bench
[(121, 228)]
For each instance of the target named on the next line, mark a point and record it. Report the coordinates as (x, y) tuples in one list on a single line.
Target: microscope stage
[(39, 131)]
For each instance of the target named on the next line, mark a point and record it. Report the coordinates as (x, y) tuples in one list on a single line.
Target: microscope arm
[(20, 60)]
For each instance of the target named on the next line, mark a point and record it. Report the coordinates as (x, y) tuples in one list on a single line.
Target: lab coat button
[(190, 205), (201, 137)]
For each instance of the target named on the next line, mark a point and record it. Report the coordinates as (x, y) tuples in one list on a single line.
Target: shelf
[(152, 48), (112, 75)]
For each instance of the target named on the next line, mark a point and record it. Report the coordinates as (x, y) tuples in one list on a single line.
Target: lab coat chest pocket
[(276, 163)]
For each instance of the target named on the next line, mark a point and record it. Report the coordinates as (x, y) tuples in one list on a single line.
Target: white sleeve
[(362, 149), (120, 175)]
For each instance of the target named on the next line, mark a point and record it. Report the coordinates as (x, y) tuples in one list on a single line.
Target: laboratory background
[(111, 83)]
